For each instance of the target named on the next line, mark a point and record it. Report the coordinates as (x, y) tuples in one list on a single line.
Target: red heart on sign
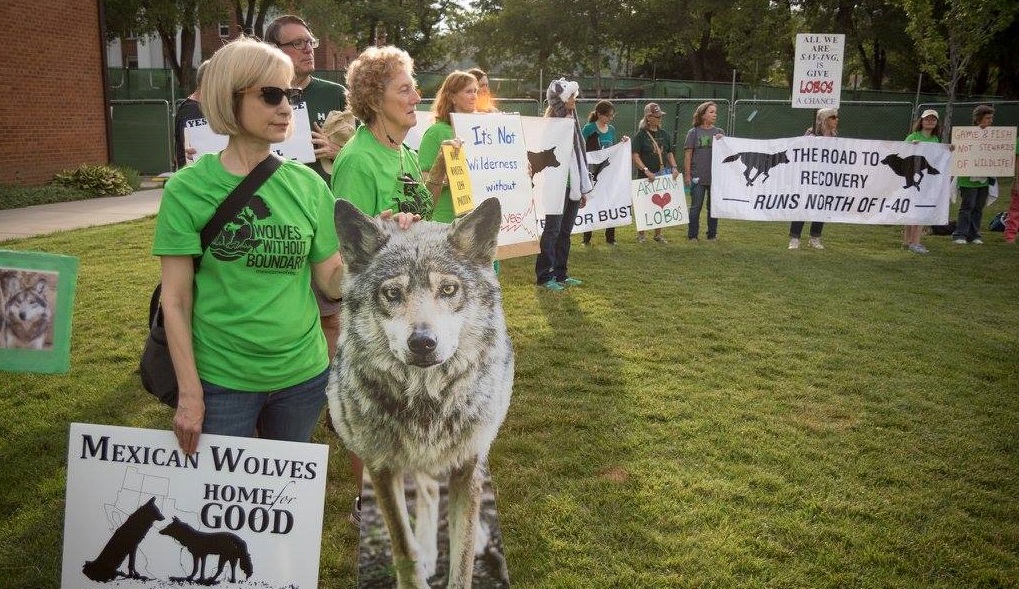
[(661, 199)]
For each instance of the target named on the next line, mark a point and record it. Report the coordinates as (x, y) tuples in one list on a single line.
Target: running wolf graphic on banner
[(830, 179), (610, 203)]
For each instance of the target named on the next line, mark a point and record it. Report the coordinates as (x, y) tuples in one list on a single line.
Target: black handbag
[(156, 368)]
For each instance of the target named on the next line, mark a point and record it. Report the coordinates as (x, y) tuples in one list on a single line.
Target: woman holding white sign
[(826, 124), (926, 129), (973, 192), (550, 266), (652, 154)]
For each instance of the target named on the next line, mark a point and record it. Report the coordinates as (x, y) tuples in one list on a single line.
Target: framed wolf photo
[(37, 299), (239, 512)]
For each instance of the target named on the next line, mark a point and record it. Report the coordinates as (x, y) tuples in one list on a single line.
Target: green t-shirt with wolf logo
[(255, 323), (375, 178)]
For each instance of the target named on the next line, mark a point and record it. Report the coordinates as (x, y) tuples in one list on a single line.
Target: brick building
[(53, 116)]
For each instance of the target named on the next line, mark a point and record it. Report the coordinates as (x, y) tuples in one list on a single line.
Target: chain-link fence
[(143, 117)]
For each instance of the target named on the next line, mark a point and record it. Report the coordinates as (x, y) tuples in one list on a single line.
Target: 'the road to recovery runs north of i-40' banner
[(830, 179), (137, 505)]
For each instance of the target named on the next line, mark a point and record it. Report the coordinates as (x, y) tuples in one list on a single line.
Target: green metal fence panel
[(677, 121), (142, 135), (768, 119)]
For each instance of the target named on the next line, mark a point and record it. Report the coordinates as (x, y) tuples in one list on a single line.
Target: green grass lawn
[(713, 415)]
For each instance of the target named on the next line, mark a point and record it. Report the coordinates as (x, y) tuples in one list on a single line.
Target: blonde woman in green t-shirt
[(927, 129)]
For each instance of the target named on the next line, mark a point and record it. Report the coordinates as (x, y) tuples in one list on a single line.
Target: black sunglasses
[(273, 96)]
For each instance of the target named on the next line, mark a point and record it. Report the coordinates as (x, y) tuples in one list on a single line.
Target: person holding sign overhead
[(652, 149), (550, 265), (973, 192), (459, 94), (826, 124)]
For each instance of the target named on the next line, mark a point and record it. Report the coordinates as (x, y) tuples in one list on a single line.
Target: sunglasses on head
[(273, 96)]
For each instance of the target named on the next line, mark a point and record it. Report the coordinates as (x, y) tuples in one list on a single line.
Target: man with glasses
[(291, 34)]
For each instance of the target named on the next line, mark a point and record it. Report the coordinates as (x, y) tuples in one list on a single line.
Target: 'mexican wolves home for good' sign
[(239, 510)]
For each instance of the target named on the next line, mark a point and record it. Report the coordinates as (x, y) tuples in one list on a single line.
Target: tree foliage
[(164, 18)]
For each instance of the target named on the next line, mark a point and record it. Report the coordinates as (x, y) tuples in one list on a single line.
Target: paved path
[(43, 219)]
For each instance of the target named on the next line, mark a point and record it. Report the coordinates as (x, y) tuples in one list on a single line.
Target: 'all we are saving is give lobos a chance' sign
[(242, 511)]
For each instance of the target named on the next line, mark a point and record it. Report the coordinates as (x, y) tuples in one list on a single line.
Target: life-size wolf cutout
[(423, 376)]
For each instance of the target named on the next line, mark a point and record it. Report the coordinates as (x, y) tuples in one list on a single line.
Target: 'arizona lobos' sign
[(238, 510), (830, 179), (659, 203)]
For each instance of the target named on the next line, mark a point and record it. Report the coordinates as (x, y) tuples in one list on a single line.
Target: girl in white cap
[(927, 128)]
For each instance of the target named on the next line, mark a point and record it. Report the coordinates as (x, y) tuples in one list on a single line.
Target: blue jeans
[(555, 243), (698, 192), (971, 212), (287, 414), (796, 228)]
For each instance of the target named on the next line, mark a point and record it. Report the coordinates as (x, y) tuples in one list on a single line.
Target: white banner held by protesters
[(549, 142), (199, 135), (610, 204), (817, 74), (659, 203), (138, 505), (497, 166), (830, 179)]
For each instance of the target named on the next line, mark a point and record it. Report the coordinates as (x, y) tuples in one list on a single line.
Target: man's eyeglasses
[(273, 96), (300, 44)]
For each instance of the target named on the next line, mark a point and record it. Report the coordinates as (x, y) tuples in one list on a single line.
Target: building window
[(224, 30)]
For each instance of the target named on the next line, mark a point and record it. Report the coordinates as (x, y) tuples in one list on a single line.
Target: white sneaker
[(959, 241), (815, 242), (794, 244), (978, 241)]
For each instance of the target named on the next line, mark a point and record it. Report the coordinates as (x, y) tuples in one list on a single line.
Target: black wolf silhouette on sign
[(123, 544), (539, 160), (597, 169), (229, 547), (910, 167), (762, 163)]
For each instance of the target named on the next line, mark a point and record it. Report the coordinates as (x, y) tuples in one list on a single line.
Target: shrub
[(133, 177), (96, 180), (16, 197)]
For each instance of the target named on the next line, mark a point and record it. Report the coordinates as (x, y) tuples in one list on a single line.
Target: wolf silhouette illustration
[(26, 311), (597, 169), (123, 544), (911, 168), (762, 163), (539, 160), (424, 375), (228, 546)]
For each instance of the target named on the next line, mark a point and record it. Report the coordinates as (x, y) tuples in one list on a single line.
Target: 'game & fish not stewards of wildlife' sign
[(830, 179), (239, 510), (987, 152)]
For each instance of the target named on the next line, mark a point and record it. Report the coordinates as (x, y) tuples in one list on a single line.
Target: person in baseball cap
[(652, 109), (652, 154)]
